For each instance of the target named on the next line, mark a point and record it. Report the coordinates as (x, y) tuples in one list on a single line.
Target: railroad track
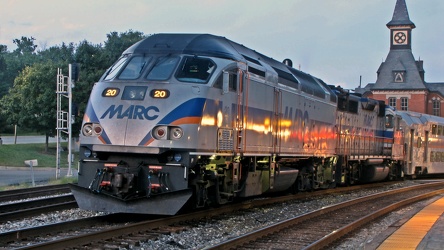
[(16, 208), (27, 193), (320, 228), (28, 236), (79, 233)]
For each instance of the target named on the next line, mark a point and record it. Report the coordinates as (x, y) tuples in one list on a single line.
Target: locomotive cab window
[(163, 68), (195, 69), (389, 121), (134, 68), (112, 72)]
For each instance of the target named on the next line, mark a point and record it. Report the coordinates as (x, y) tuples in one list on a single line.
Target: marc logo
[(132, 112)]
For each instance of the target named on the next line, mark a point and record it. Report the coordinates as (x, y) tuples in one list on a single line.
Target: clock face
[(400, 37)]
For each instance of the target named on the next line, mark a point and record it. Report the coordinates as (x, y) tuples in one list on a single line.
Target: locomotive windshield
[(192, 69), (112, 72), (163, 69), (134, 68)]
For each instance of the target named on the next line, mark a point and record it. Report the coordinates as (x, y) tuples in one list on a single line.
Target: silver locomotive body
[(199, 119)]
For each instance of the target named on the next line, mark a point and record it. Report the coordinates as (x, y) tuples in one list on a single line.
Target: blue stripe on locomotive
[(190, 108)]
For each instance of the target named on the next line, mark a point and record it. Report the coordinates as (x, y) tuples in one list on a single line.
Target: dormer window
[(399, 76)]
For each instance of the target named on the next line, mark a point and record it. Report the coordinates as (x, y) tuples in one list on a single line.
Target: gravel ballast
[(211, 231)]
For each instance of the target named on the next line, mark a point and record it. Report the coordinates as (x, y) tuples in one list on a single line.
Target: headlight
[(160, 132), (91, 129), (176, 133), (87, 129), (167, 133), (97, 129)]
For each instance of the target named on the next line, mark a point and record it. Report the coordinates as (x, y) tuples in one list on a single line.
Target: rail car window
[(163, 69), (434, 129), (134, 68), (232, 81), (112, 72), (195, 69), (440, 130)]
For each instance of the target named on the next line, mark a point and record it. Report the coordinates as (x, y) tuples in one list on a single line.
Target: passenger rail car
[(419, 142), (198, 119)]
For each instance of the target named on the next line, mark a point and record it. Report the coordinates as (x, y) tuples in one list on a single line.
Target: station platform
[(425, 230)]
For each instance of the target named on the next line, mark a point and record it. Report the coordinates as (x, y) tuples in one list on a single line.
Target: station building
[(400, 78)]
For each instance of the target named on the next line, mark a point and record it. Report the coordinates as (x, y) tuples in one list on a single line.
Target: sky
[(342, 42)]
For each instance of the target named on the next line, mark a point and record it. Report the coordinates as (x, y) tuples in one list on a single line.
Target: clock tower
[(400, 27), (400, 80)]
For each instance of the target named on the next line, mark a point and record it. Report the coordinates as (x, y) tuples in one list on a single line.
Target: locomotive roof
[(201, 44), (218, 46)]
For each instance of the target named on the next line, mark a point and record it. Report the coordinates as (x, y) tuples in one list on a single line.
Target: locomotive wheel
[(303, 181), (352, 174)]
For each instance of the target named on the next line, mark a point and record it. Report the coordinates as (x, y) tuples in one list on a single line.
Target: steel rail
[(328, 239), (149, 226), (20, 210), (26, 193)]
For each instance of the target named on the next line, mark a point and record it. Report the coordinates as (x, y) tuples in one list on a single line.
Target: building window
[(392, 101), (398, 76), (437, 107), (404, 103)]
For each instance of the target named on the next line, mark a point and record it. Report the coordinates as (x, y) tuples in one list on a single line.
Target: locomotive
[(199, 120)]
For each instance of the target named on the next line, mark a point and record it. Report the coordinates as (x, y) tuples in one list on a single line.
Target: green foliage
[(25, 45), (13, 63), (31, 102), (118, 43), (28, 78), (15, 155)]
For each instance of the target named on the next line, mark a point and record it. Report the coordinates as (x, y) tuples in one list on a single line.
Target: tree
[(3, 67), (118, 43), (63, 54), (29, 76), (32, 100), (12, 63), (25, 45)]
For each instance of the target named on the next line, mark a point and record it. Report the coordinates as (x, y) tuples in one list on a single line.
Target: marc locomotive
[(200, 120)]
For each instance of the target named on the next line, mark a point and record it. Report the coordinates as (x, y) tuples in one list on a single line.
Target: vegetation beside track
[(15, 155)]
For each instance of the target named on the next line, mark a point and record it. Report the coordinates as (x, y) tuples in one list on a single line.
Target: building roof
[(401, 16), (436, 87), (399, 60)]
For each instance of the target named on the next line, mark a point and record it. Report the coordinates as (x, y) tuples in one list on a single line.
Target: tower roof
[(399, 60), (401, 16)]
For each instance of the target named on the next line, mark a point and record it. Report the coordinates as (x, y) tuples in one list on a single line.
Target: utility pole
[(64, 118)]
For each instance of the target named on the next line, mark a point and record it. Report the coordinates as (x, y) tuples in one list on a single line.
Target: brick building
[(400, 79)]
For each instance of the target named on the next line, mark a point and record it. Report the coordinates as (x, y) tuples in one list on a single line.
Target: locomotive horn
[(288, 62)]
